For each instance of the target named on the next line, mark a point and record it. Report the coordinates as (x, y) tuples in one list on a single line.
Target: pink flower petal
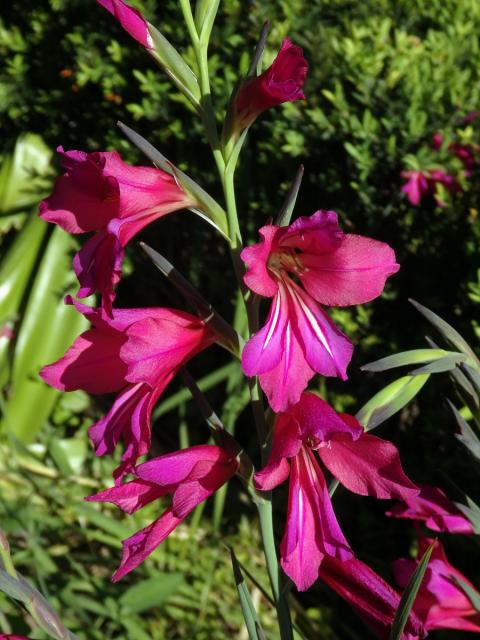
[(131, 20), (354, 273), (434, 508), (92, 363), (319, 422), (316, 234), (367, 466), (144, 542), (258, 277), (131, 496)]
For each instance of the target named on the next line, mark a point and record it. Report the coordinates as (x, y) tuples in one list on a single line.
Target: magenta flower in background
[(467, 154), (282, 82), (432, 507), (363, 463), (309, 262), (375, 601), (136, 352), (101, 193), (437, 141), (190, 476), (131, 20), (416, 186), (441, 602)]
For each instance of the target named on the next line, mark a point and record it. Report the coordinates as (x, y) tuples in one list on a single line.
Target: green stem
[(264, 506)]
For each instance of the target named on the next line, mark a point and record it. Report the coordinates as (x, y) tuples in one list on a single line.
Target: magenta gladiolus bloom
[(363, 463), (131, 20), (99, 192), (375, 600), (163, 340), (282, 82), (434, 508), (189, 476), (441, 602), (328, 267), (416, 186)]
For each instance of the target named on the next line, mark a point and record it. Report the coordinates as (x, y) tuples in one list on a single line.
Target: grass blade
[(408, 598)]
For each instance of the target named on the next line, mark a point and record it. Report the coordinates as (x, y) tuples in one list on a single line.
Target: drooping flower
[(156, 341), (363, 463), (442, 601), (416, 186), (101, 193), (190, 476), (282, 82), (432, 507), (131, 20), (309, 262), (375, 601)]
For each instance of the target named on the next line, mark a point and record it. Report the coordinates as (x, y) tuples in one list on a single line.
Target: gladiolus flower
[(136, 352), (328, 267), (434, 508), (364, 464), (437, 141), (131, 20), (282, 82), (375, 601), (416, 186), (441, 602), (189, 476), (99, 192)]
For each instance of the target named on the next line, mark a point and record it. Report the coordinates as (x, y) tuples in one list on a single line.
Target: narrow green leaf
[(257, 58), (448, 332), (211, 211), (466, 436), (414, 356), (389, 400), (175, 66), (448, 363), (150, 593), (469, 591), (246, 604), (472, 512), (285, 213), (408, 598)]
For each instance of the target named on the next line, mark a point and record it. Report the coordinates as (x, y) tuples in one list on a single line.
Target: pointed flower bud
[(282, 82), (130, 19)]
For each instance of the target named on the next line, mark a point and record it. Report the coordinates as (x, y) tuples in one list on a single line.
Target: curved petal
[(131, 496), (83, 199), (368, 466), (353, 273), (258, 277), (144, 542), (98, 266), (327, 350), (315, 234), (156, 347), (173, 468), (319, 422), (286, 444), (92, 363)]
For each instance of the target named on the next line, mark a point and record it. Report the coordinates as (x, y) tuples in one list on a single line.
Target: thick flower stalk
[(189, 476), (364, 464), (282, 82), (442, 601), (432, 507), (135, 352), (375, 601), (100, 193), (302, 266)]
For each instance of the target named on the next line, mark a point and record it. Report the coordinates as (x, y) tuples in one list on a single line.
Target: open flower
[(432, 507), (190, 476), (309, 262), (363, 463), (442, 601), (282, 82), (99, 192), (375, 601), (131, 20), (96, 363)]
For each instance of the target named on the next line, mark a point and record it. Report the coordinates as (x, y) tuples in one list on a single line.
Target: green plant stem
[(227, 172)]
